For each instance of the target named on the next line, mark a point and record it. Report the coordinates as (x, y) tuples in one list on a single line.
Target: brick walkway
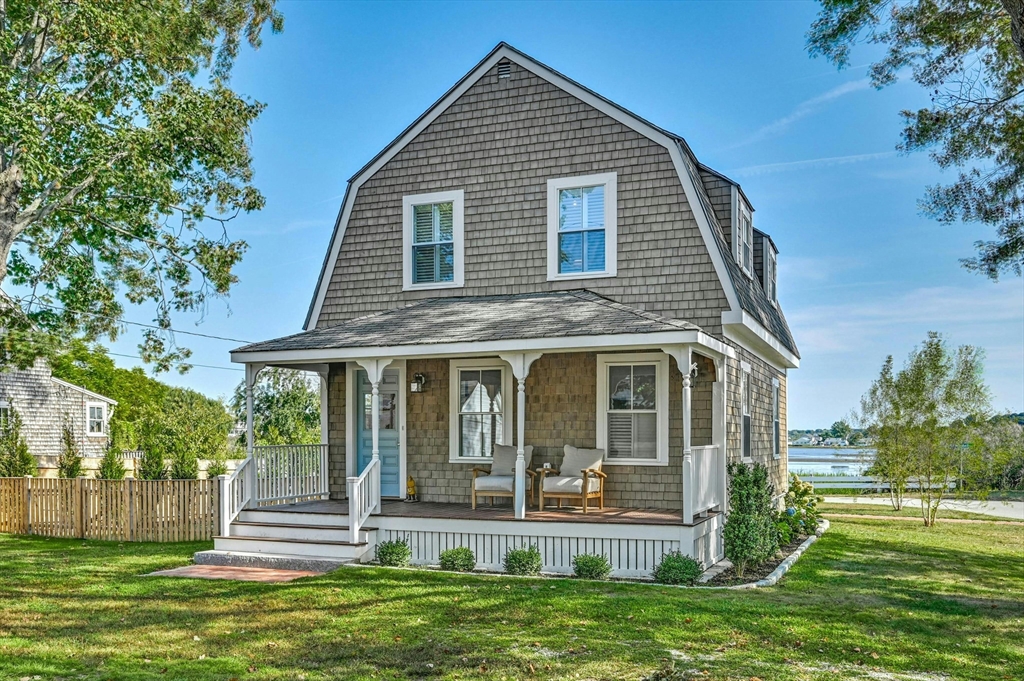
[(242, 574)]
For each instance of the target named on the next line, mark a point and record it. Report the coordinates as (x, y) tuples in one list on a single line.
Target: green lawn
[(905, 512), (946, 602)]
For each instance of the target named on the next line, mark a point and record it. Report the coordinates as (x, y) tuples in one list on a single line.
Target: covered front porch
[(647, 394)]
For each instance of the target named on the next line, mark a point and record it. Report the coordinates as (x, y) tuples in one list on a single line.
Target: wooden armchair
[(499, 480), (579, 478)]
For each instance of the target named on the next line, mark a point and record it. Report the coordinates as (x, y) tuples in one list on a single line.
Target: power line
[(149, 326), (205, 366)]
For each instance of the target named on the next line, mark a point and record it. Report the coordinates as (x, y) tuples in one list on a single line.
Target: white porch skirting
[(632, 549)]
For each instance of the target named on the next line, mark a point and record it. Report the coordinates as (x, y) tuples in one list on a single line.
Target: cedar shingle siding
[(500, 143)]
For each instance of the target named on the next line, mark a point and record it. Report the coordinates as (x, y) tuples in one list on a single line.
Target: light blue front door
[(389, 442)]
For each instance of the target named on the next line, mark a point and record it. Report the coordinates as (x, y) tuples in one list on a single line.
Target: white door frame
[(352, 412)]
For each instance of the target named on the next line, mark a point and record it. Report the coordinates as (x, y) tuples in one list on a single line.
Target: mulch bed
[(728, 576)]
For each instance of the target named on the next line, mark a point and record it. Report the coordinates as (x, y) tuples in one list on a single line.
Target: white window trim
[(453, 405), (457, 197), (103, 407), (661, 361), (740, 209), (611, 215), (776, 419), (746, 409)]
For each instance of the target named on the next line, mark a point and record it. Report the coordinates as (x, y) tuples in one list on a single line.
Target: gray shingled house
[(551, 317), (45, 404)]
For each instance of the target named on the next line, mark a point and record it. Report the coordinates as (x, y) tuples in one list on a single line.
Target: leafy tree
[(69, 462), (841, 429), (195, 427), (285, 406), (15, 458), (153, 464), (997, 457), (969, 56), (111, 465), (121, 142), (925, 414)]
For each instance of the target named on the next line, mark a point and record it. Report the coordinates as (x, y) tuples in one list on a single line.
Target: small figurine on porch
[(410, 490)]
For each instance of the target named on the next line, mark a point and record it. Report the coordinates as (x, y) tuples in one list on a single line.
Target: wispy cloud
[(804, 109), (790, 166)]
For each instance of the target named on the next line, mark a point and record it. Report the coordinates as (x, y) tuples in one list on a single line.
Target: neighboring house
[(530, 264), (45, 404), (802, 441), (835, 442)]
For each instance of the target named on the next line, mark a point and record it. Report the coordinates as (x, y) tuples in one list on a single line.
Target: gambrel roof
[(751, 316)]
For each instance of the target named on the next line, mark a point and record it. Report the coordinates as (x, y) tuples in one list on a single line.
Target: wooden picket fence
[(115, 510)]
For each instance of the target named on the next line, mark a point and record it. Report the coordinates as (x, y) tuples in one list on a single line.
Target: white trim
[(611, 217), (352, 412), (88, 393), (660, 360), (454, 366), (741, 328), (483, 348), (604, 106), (457, 198), (103, 419)]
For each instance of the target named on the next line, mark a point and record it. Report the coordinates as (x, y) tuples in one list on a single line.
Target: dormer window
[(744, 239), (582, 221), (433, 241), (771, 267)]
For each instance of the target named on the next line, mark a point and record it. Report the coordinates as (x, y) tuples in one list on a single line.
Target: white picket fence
[(859, 482)]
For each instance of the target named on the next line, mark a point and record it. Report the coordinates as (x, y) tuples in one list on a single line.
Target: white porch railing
[(289, 473), (235, 495), (707, 472), (363, 497)]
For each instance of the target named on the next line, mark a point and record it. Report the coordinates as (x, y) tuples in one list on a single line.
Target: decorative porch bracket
[(683, 355), (374, 373), (520, 363), (251, 372)]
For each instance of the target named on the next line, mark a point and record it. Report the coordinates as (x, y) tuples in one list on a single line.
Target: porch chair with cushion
[(579, 467), (499, 481)]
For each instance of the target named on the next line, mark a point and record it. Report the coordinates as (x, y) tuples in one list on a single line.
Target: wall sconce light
[(418, 381)]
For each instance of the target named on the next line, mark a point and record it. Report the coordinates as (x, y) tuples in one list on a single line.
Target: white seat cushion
[(569, 485), (575, 460), (504, 461), (494, 483)]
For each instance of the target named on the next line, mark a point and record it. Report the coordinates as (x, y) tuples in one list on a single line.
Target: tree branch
[(1015, 8)]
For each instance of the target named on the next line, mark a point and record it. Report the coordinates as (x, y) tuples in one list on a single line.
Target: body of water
[(829, 460)]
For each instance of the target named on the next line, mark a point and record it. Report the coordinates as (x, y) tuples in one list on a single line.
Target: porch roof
[(474, 319)]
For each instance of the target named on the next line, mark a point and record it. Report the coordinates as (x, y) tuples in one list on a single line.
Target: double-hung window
[(770, 273), (433, 240), (776, 432), (582, 227), (632, 410), (95, 418), (481, 417), (746, 397), (742, 233)]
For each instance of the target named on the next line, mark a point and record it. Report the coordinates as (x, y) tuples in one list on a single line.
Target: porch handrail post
[(224, 501), (520, 363), (687, 454)]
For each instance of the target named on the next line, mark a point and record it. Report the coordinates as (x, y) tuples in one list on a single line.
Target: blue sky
[(862, 274)]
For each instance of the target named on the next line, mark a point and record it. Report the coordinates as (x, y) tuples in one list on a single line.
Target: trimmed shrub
[(394, 553), (802, 506), (15, 458), (69, 463), (111, 465), (675, 568), (750, 534), (591, 566), (460, 559), (784, 530), (218, 466), (523, 561)]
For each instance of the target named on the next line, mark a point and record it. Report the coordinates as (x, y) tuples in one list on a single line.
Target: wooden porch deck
[(426, 509)]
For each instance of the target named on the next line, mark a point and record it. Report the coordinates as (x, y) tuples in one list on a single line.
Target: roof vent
[(505, 70)]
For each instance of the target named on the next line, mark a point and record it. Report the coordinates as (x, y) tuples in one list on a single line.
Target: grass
[(946, 602), (905, 512)]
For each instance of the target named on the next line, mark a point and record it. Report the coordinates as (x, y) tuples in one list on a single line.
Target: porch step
[(274, 561), (269, 515), (260, 528), (306, 548)]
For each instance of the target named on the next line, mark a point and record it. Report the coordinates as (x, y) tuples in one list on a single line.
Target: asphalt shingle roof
[(479, 319)]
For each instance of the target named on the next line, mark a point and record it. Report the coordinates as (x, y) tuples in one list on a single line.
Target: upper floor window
[(95, 418), (582, 227), (770, 273), (433, 240), (744, 239), (632, 411)]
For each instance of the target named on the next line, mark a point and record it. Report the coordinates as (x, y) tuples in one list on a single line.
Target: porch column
[(520, 363), (718, 432), (325, 467), (374, 373), (251, 478), (687, 453)]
